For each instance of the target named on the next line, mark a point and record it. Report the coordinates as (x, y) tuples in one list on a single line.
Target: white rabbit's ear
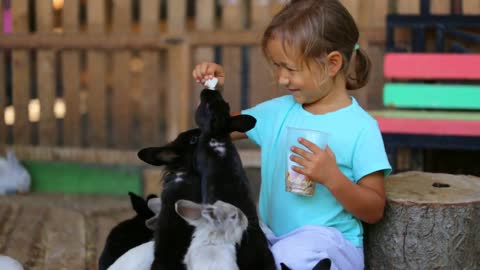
[(189, 211)]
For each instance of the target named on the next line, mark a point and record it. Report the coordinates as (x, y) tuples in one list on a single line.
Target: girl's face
[(308, 85)]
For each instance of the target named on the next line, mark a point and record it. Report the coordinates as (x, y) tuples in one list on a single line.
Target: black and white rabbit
[(180, 181), (223, 177)]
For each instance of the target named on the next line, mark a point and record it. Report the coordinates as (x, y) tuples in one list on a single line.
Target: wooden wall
[(116, 74)]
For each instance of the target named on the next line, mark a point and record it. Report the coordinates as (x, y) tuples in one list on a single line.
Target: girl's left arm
[(365, 200)]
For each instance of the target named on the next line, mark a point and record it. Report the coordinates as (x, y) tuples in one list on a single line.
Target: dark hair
[(318, 27)]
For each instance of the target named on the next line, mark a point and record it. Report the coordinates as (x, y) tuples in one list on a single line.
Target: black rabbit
[(128, 233), (223, 177)]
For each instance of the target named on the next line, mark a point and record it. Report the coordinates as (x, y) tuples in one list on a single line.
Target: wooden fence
[(116, 74)]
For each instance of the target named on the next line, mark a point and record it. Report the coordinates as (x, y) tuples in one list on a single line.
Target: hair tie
[(356, 47)]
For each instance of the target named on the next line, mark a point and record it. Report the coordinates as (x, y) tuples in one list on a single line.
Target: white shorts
[(303, 248)]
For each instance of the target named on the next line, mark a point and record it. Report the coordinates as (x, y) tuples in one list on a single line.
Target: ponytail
[(361, 70)]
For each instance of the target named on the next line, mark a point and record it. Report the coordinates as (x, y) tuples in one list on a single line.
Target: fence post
[(471, 7), (179, 62), (178, 98), (233, 20), (21, 75), (121, 95), (262, 84), (46, 76), (72, 132), (96, 102), (152, 78), (204, 21)]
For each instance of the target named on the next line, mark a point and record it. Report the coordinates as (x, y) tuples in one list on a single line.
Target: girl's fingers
[(307, 155), (309, 145), (195, 75), (298, 169), (299, 160), (329, 151)]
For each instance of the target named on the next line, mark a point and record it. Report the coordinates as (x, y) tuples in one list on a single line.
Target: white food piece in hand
[(210, 84)]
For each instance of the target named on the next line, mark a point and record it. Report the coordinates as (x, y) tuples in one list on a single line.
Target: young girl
[(310, 44)]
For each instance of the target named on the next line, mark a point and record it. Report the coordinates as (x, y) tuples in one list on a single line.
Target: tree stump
[(431, 221)]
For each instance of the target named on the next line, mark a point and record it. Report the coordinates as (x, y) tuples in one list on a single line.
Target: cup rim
[(306, 129)]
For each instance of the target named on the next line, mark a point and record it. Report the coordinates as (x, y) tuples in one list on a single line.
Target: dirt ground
[(58, 231)]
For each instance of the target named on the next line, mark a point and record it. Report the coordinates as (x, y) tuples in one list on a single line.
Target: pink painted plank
[(429, 126), (447, 66)]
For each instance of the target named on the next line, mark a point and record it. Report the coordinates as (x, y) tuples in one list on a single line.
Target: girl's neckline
[(352, 103)]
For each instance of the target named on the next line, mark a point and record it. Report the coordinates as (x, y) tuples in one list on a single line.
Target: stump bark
[(431, 221)]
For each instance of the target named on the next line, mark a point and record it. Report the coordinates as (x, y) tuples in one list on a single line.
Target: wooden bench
[(432, 101)]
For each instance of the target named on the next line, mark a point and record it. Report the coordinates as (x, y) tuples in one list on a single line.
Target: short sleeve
[(268, 114), (369, 155), (254, 134)]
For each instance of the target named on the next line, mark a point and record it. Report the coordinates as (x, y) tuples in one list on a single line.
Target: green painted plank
[(68, 177), (431, 96), (422, 114)]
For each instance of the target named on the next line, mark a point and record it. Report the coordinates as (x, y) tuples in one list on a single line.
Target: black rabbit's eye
[(193, 140)]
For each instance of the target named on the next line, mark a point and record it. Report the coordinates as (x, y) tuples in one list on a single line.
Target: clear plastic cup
[(296, 182)]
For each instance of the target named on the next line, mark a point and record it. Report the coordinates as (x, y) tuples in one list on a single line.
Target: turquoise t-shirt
[(356, 141)]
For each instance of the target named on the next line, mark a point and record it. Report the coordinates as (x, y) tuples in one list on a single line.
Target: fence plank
[(121, 96), (176, 15), (45, 76), (262, 84), (204, 21), (179, 59), (277, 5), (353, 6), (179, 62), (21, 75), (439, 7), (360, 13), (3, 81), (378, 14), (71, 77), (233, 19), (152, 79), (96, 102), (408, 6), (471, 7)]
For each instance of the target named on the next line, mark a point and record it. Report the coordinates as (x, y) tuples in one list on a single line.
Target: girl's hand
[(207, 70), (319, 165)]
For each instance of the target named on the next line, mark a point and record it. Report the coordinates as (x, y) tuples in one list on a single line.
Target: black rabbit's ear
[(242, 123), (284, 267), (324, 264), (140, 205), (157, 156)]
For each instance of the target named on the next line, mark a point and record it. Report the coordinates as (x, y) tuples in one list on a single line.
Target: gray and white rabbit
[(218, 229), (13, 176)]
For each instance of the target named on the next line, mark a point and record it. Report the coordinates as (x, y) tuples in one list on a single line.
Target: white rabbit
[(8, 263), (138, 258), (13, 176)]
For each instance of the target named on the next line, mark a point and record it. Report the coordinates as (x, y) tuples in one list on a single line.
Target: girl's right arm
[(208, 70)]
